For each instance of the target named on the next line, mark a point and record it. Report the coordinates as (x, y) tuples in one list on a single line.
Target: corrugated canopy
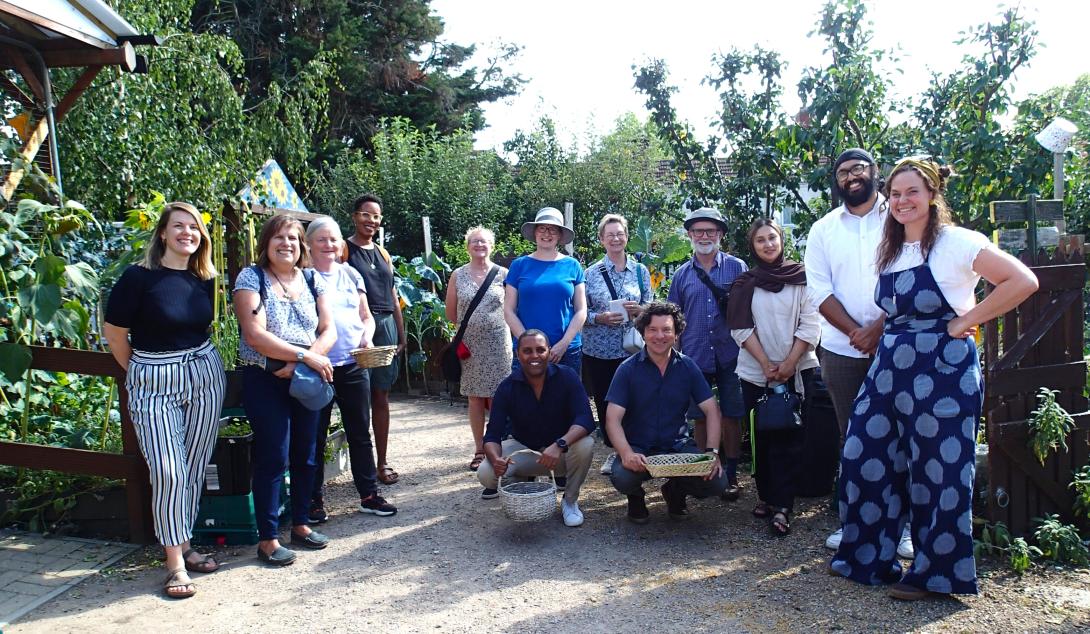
[(66, 31)]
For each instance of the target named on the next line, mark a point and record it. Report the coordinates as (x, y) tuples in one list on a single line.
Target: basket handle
[(499, 481)]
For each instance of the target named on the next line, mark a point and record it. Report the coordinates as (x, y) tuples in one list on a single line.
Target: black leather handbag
[(778, 410)]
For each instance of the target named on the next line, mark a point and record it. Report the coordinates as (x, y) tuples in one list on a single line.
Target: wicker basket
[(528, 501), (673, 465), (375, 356)]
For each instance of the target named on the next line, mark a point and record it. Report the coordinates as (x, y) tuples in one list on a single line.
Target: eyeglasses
[(705, 233), (854, 170), (615, 236), (546, 229), (478, 241)]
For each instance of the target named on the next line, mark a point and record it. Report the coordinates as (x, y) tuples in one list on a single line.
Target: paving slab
[(35, 568)]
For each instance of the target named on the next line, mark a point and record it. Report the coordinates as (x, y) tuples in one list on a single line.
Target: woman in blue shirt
[(545, 290)]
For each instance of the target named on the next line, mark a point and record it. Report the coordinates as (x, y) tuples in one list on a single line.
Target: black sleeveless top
[(378, 277)]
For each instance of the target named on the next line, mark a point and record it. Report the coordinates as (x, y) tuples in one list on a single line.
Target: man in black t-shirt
[(373, 263)]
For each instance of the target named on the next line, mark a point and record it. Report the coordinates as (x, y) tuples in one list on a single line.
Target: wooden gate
[(1039, 344)]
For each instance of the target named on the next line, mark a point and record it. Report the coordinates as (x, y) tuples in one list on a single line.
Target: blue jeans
[(284, 436), (730, 392)]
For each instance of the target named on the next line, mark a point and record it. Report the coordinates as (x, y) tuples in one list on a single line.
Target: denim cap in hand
[(308, 387)]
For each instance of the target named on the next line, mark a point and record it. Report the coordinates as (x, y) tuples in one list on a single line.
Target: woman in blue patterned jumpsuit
[(910, 447)]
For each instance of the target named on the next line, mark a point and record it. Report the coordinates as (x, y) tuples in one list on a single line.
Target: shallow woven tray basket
[(528, 501), (673, 465), (375, 356)]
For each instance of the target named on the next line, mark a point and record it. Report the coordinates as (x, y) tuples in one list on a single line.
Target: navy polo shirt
[(655, 403), (538, 423)]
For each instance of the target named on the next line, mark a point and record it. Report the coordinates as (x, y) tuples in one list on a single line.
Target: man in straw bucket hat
[(546, 410), (701, 287)]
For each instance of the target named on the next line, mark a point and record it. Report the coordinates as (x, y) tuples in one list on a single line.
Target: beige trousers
[(575, 464)]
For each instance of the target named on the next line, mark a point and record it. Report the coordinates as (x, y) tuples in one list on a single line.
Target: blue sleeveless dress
[(910, 449)]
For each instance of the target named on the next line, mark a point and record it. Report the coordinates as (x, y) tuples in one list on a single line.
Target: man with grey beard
[(701, 287)]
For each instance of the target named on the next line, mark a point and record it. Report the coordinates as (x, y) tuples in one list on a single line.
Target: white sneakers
[(572, 515), (904, 547), (607, 464), (833, 542)]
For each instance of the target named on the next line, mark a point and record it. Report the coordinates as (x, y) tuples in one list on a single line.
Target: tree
[(182, 129), (420, 173), (389, 58), (847, 103), (958, 120)]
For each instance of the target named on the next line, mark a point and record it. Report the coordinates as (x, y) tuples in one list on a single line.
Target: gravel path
[(450, 562)]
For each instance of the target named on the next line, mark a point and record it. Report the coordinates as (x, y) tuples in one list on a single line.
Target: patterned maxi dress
[(487, 335)]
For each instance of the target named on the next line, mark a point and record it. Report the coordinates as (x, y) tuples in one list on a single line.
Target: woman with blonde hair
[(487, 337), (157, 321), (617, 276)]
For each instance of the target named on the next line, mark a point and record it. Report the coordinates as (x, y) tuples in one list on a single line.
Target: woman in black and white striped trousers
[(157, 321)]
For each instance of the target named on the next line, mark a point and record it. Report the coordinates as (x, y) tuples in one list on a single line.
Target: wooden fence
[(1038, 344), (128, 465)]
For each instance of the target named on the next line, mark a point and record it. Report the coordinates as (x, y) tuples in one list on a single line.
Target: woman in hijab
[(776, 327)]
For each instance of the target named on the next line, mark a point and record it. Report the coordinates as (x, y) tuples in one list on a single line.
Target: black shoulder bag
[(722, 295), (449, 362)]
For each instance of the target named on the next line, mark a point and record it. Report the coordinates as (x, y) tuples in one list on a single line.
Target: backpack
[(308, 275)]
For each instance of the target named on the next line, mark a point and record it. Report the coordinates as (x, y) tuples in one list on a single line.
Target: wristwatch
[(299, 356), (563, 444), (712, 450)]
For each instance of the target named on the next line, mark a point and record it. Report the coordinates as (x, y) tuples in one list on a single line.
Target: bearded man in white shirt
[(841, 275)]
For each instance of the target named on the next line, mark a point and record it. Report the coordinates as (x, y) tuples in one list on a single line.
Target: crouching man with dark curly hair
[(648, 399)]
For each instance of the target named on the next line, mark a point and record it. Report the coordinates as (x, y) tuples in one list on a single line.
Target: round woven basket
[(375, 356), (528, 501), (674, 465)]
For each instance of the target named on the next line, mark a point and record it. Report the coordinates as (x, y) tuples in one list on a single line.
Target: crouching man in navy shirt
[(547, 410), (648, 399)]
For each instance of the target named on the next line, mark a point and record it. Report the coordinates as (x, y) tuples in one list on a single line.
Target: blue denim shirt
[(538, 423), (655, 403), (706, 338)]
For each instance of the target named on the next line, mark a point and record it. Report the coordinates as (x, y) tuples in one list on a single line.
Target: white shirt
[(951, 262), (840, 258)]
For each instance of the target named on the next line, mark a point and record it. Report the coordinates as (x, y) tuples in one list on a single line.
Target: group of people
[(311, 298), (884, 303)]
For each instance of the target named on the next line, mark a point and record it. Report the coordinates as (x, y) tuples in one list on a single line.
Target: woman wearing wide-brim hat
[(545, 290)]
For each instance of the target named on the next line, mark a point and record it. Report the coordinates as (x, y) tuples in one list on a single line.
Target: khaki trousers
[(575, 464)]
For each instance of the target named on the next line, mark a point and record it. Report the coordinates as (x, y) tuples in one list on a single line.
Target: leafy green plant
[(995, 539), (1049, 425), (235, 427), (1061, 542), (1081, 483), (423, 310)]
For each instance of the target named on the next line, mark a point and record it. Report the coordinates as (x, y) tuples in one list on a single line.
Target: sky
[(578, 55)]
